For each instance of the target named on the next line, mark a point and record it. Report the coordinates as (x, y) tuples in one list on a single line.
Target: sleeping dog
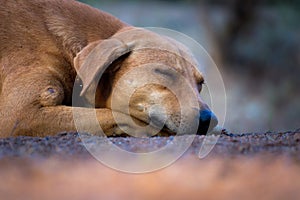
[(48, 45)]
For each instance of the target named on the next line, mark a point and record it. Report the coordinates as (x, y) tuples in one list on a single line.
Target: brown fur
[(43, 45)]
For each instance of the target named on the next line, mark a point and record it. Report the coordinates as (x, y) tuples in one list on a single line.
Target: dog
[(48, 46)]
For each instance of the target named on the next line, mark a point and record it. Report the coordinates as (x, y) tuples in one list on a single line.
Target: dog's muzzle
[(206, 120)]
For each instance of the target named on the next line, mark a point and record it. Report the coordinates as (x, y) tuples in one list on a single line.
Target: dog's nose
[(207, 121)]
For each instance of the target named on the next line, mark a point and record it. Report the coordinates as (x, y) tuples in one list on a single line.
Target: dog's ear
[(95, 58)]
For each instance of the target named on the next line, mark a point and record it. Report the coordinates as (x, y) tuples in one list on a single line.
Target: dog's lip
[(157, 124)]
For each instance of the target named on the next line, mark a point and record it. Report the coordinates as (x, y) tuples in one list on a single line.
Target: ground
[(240, 166)]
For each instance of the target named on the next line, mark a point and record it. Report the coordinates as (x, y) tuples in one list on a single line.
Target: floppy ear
[(94, 59)]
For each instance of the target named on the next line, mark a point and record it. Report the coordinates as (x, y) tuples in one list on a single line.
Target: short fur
[(43, 45)]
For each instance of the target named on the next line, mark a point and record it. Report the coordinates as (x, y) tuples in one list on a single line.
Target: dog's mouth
[(168, 126)]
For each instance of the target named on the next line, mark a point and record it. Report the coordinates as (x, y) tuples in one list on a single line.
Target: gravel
[(228, 144)]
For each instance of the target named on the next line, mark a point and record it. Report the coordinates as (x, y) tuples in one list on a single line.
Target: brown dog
[(45, 44)]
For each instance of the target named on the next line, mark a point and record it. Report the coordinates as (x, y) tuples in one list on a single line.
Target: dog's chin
[(164, 127)]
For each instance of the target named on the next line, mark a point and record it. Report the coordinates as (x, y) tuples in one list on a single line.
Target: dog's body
[(43, 45)]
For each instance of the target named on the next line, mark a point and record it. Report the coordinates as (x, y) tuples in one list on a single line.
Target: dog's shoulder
[(70, 24)]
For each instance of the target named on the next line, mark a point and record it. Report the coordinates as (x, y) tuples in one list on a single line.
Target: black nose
[(207, 121)]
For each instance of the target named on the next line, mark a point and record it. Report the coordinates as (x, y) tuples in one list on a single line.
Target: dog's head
[(155, 75)]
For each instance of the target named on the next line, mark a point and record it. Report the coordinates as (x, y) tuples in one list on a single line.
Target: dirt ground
[(240, 166)]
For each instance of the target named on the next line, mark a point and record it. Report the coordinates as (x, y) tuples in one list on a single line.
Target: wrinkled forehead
[(161, 58), (150, 47), (144, 39)]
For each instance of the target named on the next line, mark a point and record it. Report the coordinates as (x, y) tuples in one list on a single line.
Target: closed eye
[(166, 73)]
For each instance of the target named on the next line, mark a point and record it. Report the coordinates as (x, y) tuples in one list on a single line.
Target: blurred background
[(255, 44)]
